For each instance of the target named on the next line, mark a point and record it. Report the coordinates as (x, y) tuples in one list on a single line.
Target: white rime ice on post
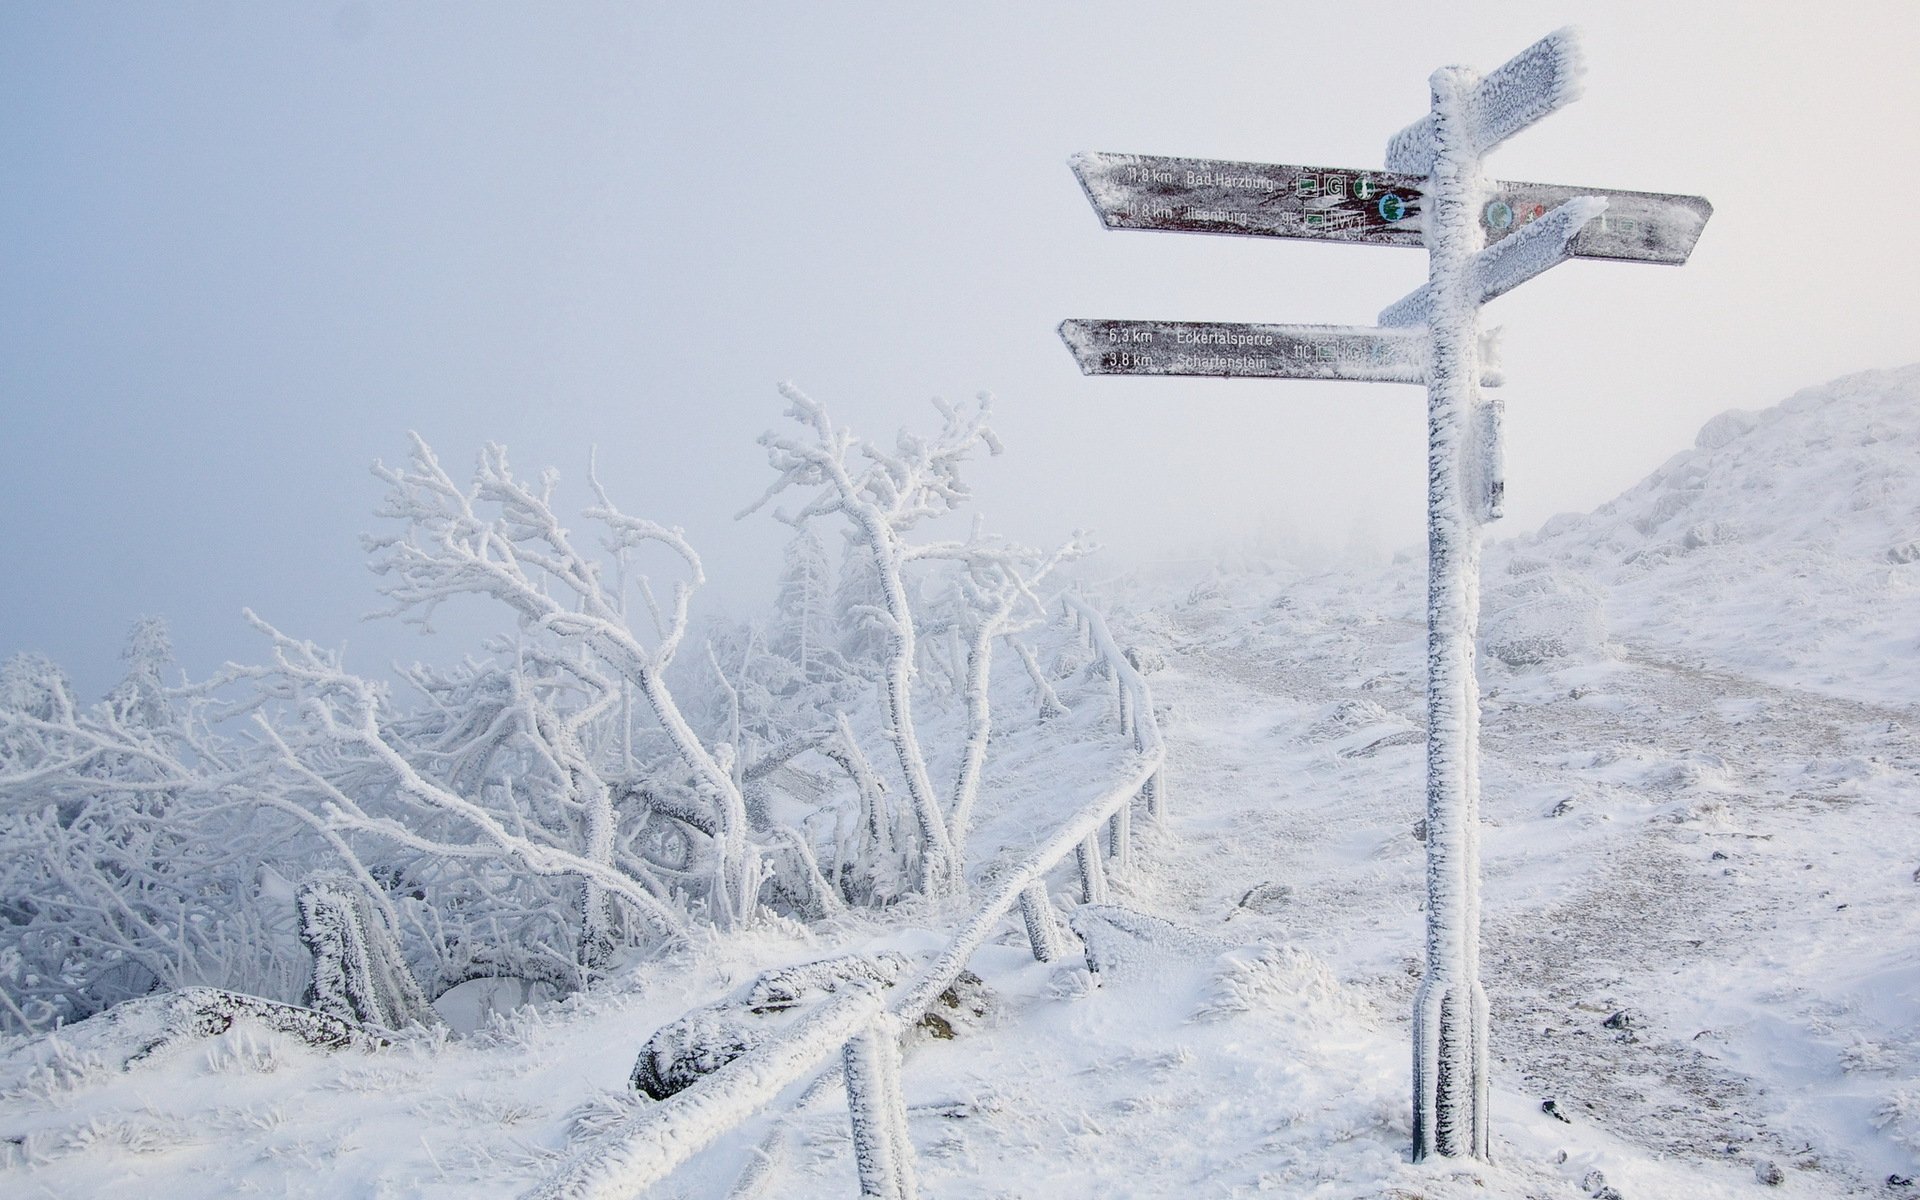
[(1093, 872), (1043, 931), (1541, 79), (643, 1148), (878, 1111), (1450, 1008), (358, 972)]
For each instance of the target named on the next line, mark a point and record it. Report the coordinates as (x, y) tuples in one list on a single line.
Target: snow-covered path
[(1651, 863), (1663, 935)]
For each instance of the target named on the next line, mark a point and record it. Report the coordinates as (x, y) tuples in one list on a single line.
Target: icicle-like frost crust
[(878, 1111), (1043, 931), (1450, 1029)]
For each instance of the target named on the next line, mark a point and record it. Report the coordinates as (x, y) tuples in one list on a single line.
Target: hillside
[(1702, 945), (1780, 545)]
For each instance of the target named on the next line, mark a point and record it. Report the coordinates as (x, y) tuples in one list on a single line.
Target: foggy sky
[(247, 247)]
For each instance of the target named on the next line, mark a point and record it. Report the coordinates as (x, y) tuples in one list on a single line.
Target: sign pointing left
[(1231, 350), (1202, 195)]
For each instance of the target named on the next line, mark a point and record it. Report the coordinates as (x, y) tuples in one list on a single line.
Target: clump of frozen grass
[(488, 1159), (466, 1108), (1284, 982), (248, 1123), (64, 1071), (100, 1132), (1863, 1055), (1899, 1117), (243, 1051), (372, 1081), (604, 1109)]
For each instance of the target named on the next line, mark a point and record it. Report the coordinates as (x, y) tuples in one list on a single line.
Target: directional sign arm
[(1652, 227), (1199, 195), (1237, 351), (1545, 243), (1510, 262), (1540, 79), (1340, 204)]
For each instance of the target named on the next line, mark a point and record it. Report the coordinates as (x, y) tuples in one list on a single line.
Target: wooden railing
[(861, 1025)]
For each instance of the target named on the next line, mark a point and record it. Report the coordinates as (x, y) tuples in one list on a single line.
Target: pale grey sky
[(246, 247)]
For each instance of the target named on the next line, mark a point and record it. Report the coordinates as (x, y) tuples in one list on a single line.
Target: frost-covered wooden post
[(878, 1111), (1093, 872), (1483, 239), (1450, 1008), (1120, 838), (1043, 931)]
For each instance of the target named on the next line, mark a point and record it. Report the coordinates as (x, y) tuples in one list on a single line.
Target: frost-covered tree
[(135, 844), (882, 494), (804, 608), (501, 539), (575, 787)]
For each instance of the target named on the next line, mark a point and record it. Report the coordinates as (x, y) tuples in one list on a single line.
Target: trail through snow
[(1701, 782)]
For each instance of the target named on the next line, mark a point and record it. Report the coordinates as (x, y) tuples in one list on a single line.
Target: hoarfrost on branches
[(575, 791)]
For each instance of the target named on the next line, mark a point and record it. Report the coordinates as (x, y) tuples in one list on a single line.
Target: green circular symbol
[(1392, 208), (1499, 214), (1362, 188)]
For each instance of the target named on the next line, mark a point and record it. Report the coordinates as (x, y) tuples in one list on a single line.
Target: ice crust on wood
[(651, 1143), (696, 1045), (877, 1111), (358, 972), (1542, 243), (1539, 80), (149, 1028)]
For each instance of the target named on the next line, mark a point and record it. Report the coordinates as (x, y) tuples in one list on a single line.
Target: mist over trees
[(596, 780)]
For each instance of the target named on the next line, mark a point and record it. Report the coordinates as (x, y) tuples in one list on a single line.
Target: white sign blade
[(1239, 351), (1539, 80), (1543, 243)]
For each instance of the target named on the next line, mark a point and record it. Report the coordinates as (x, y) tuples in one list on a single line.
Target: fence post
[(1120, 836), (878, 1111), (1093, 873), (1043, 932)]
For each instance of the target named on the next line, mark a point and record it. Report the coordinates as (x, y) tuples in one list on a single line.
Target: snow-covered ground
[(1702, 945)]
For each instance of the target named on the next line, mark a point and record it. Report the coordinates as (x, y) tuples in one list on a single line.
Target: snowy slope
[(1782, 544), (1702, 941)]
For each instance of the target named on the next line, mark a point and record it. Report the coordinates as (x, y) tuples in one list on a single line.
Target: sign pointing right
[(1539, 80)]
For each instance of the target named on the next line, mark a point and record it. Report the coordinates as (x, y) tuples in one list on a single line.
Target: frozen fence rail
[(861, 1027)]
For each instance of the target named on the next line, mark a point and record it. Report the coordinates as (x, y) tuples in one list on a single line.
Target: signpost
[(1483, 238)]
